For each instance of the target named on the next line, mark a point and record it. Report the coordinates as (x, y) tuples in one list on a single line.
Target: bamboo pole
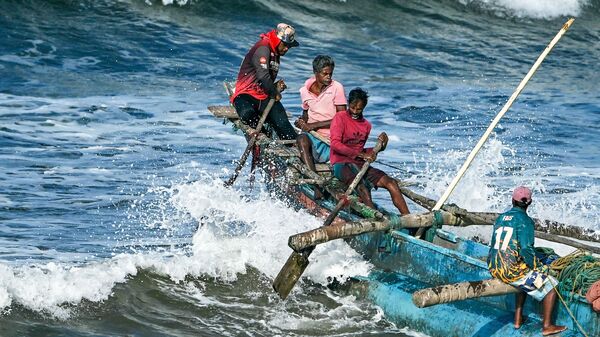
[(567, 241), (508, 104), (461, 291)]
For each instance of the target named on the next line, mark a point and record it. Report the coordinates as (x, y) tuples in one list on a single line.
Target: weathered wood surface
[(429, 203), (461, 291), (301, 241), (223, 111), (227, 111), (488, 218), (300, 181), (567, 241)]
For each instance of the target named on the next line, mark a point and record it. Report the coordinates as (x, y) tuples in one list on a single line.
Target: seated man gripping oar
[(295, 265), (349, 133)]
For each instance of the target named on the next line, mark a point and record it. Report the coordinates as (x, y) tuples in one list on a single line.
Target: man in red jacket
[(349, 133), (256, 84)]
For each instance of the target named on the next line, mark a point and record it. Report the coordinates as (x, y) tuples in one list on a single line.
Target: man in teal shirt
[(512, 260)]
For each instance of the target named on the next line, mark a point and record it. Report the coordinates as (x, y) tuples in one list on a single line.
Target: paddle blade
[(290, 273)]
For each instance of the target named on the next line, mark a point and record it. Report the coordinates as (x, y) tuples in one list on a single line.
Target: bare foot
[(519, 320), (552, 329)]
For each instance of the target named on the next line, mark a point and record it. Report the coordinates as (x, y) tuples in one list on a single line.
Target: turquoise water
[(113, 220)]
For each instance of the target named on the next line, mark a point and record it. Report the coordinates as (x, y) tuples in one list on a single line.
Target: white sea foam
[(537, 9), (264, 225), (347, 313), (80, 63), (576, 208), (482, 190), (48, 288), (237, 232), (473, 192), (171, 2)]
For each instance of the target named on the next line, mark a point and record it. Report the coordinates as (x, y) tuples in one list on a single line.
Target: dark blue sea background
[(113, 217)]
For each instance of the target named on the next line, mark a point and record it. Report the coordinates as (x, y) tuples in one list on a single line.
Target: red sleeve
[(337, 137)]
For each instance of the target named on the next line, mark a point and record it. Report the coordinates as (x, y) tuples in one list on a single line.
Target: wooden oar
[(490, 128), (251, 143), (295, 265)]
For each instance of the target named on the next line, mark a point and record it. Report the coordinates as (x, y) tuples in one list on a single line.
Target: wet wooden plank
[(227, 111), (223, 111)]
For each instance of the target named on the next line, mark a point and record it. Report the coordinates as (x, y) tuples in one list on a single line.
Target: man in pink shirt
[(349, 133), (322, 97)]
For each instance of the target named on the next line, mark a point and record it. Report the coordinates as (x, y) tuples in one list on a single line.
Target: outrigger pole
[(489, 130)]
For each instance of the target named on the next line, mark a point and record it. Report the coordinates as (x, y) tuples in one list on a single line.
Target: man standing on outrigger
[(512, 260), (256, 84)]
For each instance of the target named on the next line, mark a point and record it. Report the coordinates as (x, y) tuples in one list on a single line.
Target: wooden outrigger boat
[(405, 265)]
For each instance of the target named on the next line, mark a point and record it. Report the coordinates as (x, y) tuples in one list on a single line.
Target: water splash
[(536, 9), (474, 191), (239, 231), (236, 232)]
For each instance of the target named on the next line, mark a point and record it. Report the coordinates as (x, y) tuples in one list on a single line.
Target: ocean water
[(113, 218)]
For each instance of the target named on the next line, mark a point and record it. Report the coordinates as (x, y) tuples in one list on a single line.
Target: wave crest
[(535, 9)]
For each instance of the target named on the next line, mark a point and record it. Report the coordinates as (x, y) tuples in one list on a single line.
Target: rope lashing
[(437, 223)]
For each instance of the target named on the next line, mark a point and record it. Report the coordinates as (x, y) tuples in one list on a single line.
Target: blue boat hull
[(405, 264)]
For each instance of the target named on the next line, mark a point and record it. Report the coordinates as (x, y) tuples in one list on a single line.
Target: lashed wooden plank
[(227, 111), (223, 111)]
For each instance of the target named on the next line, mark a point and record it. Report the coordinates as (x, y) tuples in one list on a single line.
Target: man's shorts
[(320, 150), (346, 172), (536, 284)]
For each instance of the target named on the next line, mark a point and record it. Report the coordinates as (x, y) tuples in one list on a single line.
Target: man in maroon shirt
[(349, 133), (256, 84)]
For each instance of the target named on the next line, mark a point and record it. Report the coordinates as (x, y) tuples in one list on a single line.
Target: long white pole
[(489, 130)]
